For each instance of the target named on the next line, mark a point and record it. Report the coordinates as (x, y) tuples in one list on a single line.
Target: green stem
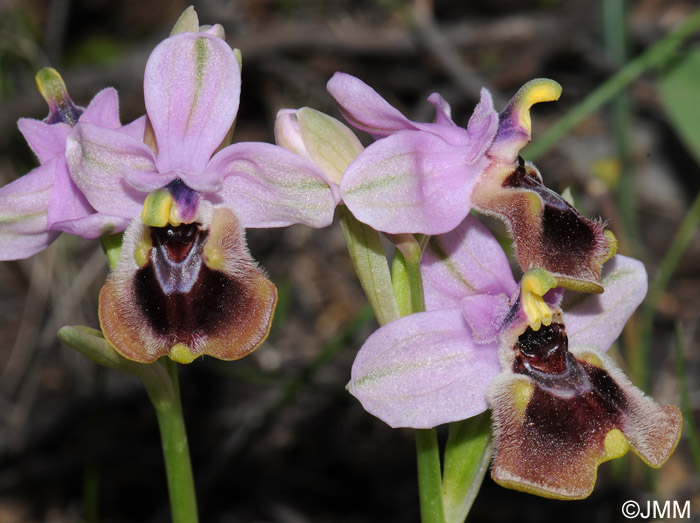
[(654, 56), (367, 254), (468, 450), (408, 289), (392, 295), (663, 275), (161, 383), (165, 396), (406, 277), (429, 476), (467, 458)]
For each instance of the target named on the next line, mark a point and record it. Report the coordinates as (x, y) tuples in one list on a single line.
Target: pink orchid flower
[(560, 405), (426, 177)]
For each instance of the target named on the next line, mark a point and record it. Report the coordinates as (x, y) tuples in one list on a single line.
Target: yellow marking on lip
[(213, 256), (591, 359), (174, 216), (612, 247), (181, 353), (522, 392), (142, 252), (616, 445)]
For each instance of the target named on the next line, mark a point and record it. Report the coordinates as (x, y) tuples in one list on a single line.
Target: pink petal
[(66, 201), (482, 126), (467, 261), (206, 182), (268, 186), (191, 87), (411, 182), (146, 182), (69, 211), (23, 205), (364, 108), (46, 140), (597, 320), (135, 129), (443, 111), (103, 110), (423, 370), (92, 225), (486, 315), (97, 157)]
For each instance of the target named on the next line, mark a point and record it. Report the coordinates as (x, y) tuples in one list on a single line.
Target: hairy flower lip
[(558, 411), (213, 300), (548, 232), (552, 430), (471, 295)]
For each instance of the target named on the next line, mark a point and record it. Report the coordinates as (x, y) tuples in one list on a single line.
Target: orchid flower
[(185, 284), (40, 205), (560, 405), (425, 178)]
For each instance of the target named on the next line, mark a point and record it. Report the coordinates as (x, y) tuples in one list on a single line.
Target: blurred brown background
[(275, 437)]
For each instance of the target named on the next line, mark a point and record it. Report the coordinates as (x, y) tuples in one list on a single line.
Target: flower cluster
[(530, 352), (533, 351)]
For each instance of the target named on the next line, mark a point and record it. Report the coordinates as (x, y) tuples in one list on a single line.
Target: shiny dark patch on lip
[(543, 355), (177, 240), (543, 349)]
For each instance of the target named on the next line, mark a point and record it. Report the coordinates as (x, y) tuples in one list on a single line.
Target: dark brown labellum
[(195, 290)]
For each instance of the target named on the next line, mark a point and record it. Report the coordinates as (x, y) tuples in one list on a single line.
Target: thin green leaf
[(429, 476), (679, 88), (467, 458), (655, 56)]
